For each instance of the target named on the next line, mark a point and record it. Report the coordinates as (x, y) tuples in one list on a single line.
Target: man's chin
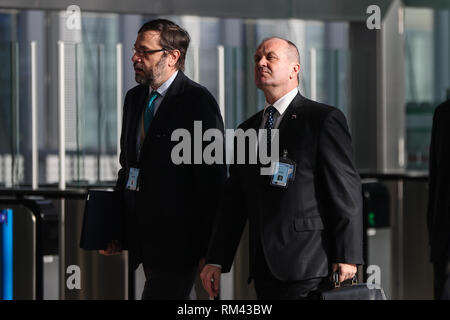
[(261, 84), (140, 80)]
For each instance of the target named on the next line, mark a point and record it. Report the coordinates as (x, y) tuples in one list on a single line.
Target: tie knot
[(153, 97), (271, 110)]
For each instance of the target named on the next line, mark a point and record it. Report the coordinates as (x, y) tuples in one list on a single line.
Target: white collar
[(282, 103)]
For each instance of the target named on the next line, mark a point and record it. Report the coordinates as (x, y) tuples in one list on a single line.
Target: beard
[(149, 76)]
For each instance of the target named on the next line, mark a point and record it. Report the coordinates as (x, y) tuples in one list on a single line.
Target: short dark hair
[(172, 37)]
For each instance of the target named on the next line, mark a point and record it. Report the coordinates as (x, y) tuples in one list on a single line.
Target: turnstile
[(46, 254), (397, 235), (377, 235), (6, 254), (33, 234)]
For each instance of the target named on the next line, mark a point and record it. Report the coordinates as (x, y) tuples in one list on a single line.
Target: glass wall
[(92, 89), (427, 67)]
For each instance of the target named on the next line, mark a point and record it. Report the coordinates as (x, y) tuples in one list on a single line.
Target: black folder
[(102, 220)]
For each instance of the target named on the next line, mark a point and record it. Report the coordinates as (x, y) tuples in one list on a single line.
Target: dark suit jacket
[(169, 220), (317, 220), (438, 214)]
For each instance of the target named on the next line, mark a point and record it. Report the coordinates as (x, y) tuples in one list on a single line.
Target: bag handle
[(337, 284)]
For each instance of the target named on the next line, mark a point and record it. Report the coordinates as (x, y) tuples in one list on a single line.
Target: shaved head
[(291, 49)]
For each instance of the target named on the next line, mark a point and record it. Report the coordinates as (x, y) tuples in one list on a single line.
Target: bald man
[(302, 230)]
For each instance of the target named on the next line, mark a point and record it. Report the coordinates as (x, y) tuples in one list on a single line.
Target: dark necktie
[(270, 124), (150, 110)]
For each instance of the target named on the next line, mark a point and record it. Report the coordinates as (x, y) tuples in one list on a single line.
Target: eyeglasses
[(141, 52)]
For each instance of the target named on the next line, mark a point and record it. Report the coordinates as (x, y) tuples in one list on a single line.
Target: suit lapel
[(256, 124), (174, 90), (256, 168), (289, 117)]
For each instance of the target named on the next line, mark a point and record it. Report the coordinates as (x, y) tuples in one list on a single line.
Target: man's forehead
[(272, 45), (148, 36)]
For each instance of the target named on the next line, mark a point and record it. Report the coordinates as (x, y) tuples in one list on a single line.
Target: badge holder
[(133, 177), (284, 171)]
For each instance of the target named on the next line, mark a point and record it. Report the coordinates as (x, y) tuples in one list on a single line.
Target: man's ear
[(174, 55), (295, 70)]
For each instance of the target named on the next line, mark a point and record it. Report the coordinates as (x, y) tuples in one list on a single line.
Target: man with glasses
[(169, 207)]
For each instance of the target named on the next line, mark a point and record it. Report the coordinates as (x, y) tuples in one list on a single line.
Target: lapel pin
[(294, 116)]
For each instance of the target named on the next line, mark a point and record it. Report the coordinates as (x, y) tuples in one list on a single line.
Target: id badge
[(284, 172), (133, 176), (281, 175)]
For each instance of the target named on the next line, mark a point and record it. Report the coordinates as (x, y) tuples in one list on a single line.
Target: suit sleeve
[(340, 191), (209, 179), (121, 179), (432, 176), (229, 224), (122, 174)]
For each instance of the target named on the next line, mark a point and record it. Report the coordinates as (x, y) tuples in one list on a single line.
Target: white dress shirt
[(281, 106)]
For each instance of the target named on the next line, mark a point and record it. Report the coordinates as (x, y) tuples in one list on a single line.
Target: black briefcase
[(353, 291)]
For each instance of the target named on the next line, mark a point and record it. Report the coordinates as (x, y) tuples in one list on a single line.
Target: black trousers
[(168, 285), (442, 280), (289, 290), (268, 287)]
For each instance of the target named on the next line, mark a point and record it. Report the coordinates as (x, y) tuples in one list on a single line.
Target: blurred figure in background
[(438, 215)]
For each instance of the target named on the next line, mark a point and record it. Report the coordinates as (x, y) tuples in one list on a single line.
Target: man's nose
[(262, 62), (135, 58)]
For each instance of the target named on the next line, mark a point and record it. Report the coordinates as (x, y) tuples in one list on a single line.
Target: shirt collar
[(165, 86), (282, 103)]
